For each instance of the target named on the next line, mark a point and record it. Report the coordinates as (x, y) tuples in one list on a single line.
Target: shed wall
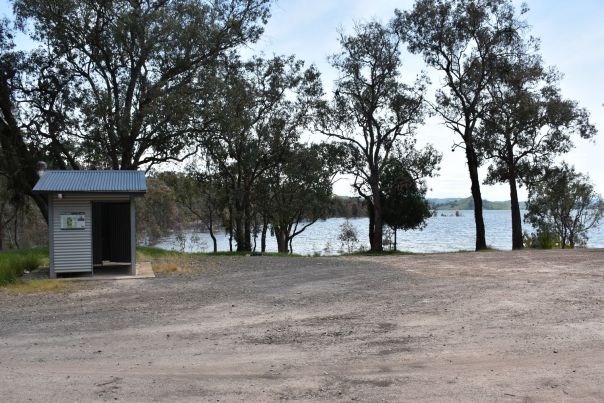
[(72, 249)]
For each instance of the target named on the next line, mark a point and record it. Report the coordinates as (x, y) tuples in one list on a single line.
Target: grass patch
[(225, 253), (170, 262), (168, 266), (164, 267), (383, 253), (35, 286), (14, 263), (151, 252)]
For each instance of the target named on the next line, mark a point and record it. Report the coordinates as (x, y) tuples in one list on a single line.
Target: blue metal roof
[(91, 181)]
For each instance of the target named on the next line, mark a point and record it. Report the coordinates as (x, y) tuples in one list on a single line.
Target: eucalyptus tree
[(564, 202), (526, 124), (18, 157), (258, 110), (464, 40), (157, 214), (372, 111), (404, 194), (8, 212), (199, 193), (127, 73), (300, 189)]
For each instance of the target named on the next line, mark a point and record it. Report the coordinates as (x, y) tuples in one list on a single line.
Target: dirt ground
[(494, 326)]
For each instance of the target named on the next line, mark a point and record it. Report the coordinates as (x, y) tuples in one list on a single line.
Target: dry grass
[(173, 264), (164, 261), (164, 267), (36, 286)]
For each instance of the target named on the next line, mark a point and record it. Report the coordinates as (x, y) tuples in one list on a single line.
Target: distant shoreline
[(449, 203)]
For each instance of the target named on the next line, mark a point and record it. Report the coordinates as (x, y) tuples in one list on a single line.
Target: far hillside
[(468, 204)]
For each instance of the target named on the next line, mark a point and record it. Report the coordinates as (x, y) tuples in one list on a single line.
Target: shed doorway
[(111, 249)]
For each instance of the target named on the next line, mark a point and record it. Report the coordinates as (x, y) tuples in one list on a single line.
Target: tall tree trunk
[(377, 235), (371, 223), (211, 229), (472, 160), (239, 218), (263, 234), (16, 231), (246, 245), (42, 204), (247, 241), (395, 239), (517, 242), (282, 239), (239, 234), (243, 233), (19, 161)]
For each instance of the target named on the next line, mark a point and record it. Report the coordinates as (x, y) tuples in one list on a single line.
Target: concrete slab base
[(143, 270)]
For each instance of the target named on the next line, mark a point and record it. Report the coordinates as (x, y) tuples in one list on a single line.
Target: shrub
[(542, 239), (13, 264), (563, 206), (348, 237), (8, 271)]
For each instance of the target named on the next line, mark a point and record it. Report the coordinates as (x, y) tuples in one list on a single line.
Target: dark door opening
[(111, 233)]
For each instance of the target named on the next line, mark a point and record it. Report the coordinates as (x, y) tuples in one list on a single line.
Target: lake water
[(443, 233)]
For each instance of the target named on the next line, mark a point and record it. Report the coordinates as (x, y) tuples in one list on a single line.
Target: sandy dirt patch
[(494, 326)]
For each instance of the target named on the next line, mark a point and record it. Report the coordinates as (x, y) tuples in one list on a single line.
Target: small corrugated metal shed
[(91, 219)]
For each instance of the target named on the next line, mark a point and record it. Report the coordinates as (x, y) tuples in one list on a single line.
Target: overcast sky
[(572, 38)]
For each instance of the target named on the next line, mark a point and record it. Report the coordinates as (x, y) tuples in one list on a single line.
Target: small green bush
[(8, 273), (14, 263), (547, 239), (543, 239)]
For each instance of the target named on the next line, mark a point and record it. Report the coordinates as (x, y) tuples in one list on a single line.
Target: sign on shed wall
[(73, 221)]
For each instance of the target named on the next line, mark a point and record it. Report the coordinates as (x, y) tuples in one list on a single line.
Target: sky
[(572, 38)]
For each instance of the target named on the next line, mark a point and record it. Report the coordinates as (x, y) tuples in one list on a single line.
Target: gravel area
[(493, 326)]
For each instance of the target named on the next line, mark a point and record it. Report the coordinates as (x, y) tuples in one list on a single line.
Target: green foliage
[(154, 252), (404, 203), (14, 263), (348, 237), (157, 214), (258, 110), (465, 40), (544, 238), (119, 81), (349, 207), (200, 194), (374, 113), (526, 122), (17, 158), (564, 205), (300, 190)]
